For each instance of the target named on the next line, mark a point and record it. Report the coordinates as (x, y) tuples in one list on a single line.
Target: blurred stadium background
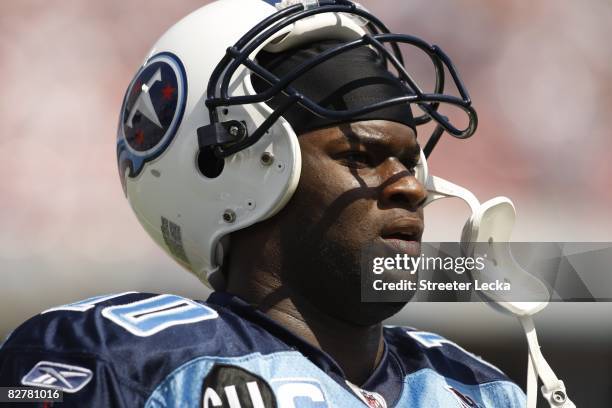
[(541, 79)]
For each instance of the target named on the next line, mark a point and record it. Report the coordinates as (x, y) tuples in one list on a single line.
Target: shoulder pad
[(142, 336), (100, 323), (430, 350)]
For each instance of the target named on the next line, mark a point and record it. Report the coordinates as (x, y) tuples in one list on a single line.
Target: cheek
[(324, 181), (318, 187), (330, 194)]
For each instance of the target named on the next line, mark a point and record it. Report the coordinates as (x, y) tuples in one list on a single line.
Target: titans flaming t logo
[(152, 109)]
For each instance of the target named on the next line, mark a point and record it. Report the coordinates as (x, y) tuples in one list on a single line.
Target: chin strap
[(553, 388), (498, 224)]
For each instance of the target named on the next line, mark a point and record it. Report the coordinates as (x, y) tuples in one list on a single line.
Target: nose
[(400, 186)]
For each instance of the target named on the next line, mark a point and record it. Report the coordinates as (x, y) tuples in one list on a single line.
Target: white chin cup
[(486, 234)]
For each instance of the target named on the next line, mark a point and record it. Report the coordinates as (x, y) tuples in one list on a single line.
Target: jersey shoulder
[(98, 324), (140, 338), (108, 324), (419, 350)]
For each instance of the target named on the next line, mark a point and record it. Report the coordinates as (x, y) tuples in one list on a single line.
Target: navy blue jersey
[(146, 350)]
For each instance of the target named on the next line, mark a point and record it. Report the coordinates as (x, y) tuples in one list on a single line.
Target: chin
[(342, 301), (369, 314)]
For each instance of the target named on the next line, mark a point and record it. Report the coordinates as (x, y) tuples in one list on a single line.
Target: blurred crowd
[(539, 74)]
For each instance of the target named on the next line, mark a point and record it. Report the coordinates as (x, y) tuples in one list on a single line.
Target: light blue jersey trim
[(424, 388), (183, 387), (428, 389)]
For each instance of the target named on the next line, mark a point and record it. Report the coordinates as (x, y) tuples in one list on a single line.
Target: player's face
[(357, 188)]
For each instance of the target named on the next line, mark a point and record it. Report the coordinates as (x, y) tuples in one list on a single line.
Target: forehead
[(375, 133), (379, 131)]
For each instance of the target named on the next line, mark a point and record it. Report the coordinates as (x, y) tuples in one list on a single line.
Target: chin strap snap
[(493, 221), (553, 389)]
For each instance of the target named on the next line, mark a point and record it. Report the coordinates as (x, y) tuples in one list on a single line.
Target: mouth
[(404, 236), (402, 246)]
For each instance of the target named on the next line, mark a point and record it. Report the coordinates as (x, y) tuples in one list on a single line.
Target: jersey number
[(148, 316)]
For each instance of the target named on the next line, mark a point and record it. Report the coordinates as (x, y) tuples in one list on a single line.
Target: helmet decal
[(152, 109)]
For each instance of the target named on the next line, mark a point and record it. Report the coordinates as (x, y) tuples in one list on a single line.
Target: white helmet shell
[(187, 213)]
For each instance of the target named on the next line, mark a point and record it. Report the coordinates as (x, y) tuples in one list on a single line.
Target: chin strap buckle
[(557, 397), (553, 389)]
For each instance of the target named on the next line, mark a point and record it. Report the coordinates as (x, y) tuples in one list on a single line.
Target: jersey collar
[(387, 378)]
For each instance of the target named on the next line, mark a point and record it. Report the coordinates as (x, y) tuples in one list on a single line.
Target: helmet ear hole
[(209, 165)]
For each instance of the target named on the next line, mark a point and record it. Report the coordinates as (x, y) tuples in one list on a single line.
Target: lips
[(406, 229), (404, 236)]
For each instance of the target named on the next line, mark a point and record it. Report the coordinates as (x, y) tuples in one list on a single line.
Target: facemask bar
[(216, 134)]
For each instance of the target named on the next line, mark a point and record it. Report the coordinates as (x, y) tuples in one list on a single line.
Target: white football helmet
[(201, 154)]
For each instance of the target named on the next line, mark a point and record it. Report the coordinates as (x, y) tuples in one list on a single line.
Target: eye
[(411, 163), (356, 159)]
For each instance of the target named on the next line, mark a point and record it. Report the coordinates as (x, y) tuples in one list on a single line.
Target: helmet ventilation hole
[(209, 164)]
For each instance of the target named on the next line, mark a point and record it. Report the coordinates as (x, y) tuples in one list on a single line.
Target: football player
[(263, 147)]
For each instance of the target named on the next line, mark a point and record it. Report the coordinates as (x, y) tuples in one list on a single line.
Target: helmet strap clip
[(222, 133)]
